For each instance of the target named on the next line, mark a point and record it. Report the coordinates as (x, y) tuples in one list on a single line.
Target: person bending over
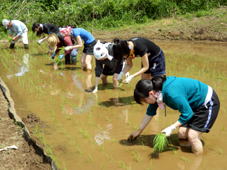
[(197, 103)]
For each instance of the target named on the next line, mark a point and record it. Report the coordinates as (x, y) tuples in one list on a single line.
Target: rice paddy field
[(89, 131)]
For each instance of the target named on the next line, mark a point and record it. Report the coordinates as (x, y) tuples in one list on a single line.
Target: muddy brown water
[(89, 131)]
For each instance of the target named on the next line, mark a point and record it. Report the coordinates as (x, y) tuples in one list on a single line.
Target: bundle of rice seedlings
[(160, 142)]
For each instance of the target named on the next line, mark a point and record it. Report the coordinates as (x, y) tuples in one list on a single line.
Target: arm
[(186, 114), (19, 32), (128, 65), (142, 126), (167, 131), (79, 44), (145, 67)]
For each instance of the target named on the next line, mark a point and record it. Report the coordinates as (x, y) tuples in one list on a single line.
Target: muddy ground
[(25, 158)]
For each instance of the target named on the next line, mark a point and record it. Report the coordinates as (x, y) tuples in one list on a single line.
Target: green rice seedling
[(136, 156), (160, 142)]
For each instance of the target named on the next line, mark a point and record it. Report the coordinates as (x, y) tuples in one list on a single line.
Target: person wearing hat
[(197, 103), (81, 35), (106, 65), (47, 28), (17, 30), (55, 44)]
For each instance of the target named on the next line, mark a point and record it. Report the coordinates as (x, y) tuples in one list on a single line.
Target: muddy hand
[(133, 136)]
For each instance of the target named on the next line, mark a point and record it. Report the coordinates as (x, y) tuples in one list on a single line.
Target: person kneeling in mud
[(105, 65), (55, 44), (197, 102)]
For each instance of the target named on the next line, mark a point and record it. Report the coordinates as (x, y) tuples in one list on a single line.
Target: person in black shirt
[(152, 57), (40, 29)]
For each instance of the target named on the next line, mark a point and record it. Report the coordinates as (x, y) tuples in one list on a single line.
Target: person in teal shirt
[(197, 102)]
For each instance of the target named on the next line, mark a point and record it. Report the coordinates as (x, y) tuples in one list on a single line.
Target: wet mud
[(89, 131)]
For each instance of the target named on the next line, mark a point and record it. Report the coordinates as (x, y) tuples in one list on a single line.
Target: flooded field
[(89, 131)]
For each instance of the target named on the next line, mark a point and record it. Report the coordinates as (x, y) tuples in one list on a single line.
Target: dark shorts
[(88, 48), (205, 116), (157, 65), (112, 67)]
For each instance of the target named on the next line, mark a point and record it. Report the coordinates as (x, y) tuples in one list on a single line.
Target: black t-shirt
[(143, 46), (50, 28)]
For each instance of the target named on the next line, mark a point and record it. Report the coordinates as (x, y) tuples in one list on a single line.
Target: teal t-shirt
[(182, 94)]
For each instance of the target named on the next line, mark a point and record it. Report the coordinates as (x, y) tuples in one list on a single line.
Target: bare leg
[(183, 137), (83, 64), (115, 81), (194, 140), (104, 79), (88, 60)]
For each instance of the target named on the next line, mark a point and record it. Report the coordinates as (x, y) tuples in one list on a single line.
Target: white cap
[(5, 22), (101, 52)]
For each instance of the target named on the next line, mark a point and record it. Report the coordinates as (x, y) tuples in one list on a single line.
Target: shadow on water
[(147, 140), (120, 101), (39, 54), (69, 68), (64, 67)]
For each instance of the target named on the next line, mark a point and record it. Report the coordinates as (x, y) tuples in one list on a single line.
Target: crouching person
[(17, 30), (106, 65), (56, 44), (197, 102)]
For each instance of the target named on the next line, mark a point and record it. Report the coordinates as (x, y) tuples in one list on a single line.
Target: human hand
[(132, 137), (68, 48), (168, 131), (128, 79)]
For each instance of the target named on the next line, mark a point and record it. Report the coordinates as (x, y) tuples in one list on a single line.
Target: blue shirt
[(182, 94), (86, 36)]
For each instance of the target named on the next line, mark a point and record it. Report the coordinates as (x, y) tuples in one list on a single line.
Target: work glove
[(128, 79), (168, 131), (68, 48)]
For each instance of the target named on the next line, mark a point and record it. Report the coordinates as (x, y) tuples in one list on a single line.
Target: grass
[(160, 142)]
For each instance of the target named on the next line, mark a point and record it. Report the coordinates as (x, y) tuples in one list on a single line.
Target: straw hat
[(52, 41)]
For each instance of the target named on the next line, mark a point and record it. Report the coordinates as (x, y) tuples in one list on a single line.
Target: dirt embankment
[(211, 28), (25, 156)]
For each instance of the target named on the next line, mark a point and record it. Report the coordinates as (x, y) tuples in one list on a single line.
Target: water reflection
[(23, 68), (103, 135)]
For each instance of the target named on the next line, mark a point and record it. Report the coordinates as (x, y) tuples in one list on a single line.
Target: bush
[(99, 13)]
